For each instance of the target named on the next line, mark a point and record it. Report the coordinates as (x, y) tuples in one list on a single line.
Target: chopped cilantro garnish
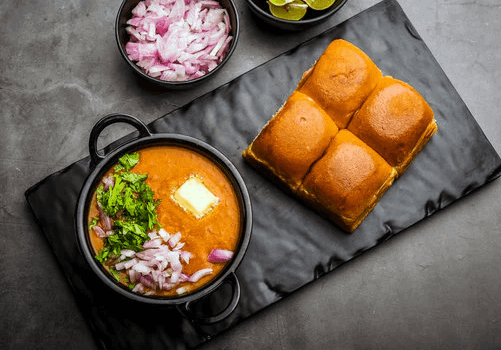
[(103, 255), (133, 178), (93, 223), (127, 161), (115, 274), (130, 203)]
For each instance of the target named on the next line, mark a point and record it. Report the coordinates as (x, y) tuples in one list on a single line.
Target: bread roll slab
[(340, 80), (343, 136), (347, 182), (395, 121), (292, 140)]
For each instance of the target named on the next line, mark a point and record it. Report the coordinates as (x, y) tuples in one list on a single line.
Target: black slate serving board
[(291, 245)]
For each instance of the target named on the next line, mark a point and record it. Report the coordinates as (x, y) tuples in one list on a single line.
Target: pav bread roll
[(343, 136), (292, 140), (340, 80), (347, 182), (395, 121)]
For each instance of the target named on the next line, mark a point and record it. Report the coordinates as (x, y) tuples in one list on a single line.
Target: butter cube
[(194, 197)]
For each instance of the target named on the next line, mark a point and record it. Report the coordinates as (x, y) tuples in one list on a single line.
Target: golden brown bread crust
[(292, 140), (340, 80), (342, 171), (347, 182), (395, 121)]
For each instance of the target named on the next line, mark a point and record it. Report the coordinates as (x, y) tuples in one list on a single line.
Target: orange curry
[(168, 167)]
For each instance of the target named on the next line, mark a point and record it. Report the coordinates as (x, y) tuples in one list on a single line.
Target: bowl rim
[(180, 83), (328, 12), (156, 139)]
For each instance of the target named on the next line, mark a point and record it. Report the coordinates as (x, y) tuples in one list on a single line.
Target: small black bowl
[(102, 162), (312, 17), (122, 37)]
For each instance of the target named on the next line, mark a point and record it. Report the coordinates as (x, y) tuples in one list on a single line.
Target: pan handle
[(95, 155), (188, 313)]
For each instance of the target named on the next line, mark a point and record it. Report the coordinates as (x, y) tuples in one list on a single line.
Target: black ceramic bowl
[(101, 163), (312, 17), (122, 37)]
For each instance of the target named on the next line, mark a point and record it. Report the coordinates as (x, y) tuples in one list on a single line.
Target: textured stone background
[(435, 286)]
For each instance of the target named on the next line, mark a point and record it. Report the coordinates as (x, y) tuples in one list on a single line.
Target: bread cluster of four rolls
[(343, 135)]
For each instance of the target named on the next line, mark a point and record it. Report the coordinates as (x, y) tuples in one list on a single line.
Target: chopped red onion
[(140, 9), (109, 181), (174, 278), (161, 281), (160, 265), (174, 240), (220, 255), (199, 274), (185, 256), (120, 266), (184, 277), (152, 243), (147, 281), (179, 246), (182, 290), (168, 286), (155, 275), (173, 259), (126, 253), (164, 234), (141, 267), (145, 254), (133, 276), (129, 263), (158, 256), (99, 231), (138, 288), (168, 35), (153, 235), (105, 219)]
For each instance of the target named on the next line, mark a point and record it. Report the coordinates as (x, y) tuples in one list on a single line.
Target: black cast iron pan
[(102, 162)]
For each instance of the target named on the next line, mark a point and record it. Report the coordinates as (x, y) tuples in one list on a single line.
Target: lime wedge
[(280, 2), (320, 4), (292, 11)]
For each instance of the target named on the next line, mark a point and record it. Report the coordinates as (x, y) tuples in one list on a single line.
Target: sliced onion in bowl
[(162, 33)]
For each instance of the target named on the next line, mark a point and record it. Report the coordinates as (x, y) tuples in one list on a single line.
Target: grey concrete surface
[(435, 286)]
